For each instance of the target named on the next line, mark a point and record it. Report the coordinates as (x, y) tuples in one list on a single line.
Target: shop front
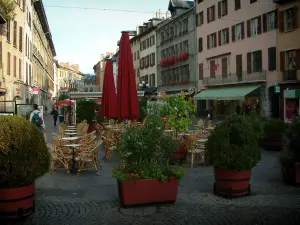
[(291, 104), (224, 101)]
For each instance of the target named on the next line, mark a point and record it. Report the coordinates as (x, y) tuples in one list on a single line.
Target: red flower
[(132, 175)]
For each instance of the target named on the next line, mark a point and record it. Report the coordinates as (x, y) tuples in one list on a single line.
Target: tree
[(7, 9)]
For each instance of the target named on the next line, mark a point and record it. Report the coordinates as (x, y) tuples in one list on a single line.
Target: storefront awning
[(292, 94), (226, 93)]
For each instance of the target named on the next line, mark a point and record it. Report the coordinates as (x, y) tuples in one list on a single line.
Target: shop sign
[(36, 91), (276, 88)]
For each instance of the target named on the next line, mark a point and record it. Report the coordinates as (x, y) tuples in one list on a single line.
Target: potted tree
[(180, 111), (145, 175), (24, 157), (274, 134), (233, 151), (290, 156), (86, 110)]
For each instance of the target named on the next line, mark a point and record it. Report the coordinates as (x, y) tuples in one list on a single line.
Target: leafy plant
[(275, 127), (258, 124), (7, 9), (24, 155), (292, 152), (63, 97), (145, 152), (153, 108), (143, 108), (180, 110), (233, 145), (86, 111)]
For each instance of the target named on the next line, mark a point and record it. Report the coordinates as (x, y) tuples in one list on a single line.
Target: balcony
[(289, 75), (235, 79)]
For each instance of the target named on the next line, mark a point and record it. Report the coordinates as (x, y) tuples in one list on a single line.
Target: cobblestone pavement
[(92, 200)]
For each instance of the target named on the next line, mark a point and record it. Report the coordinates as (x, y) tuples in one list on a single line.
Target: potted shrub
[(180, 111), (290, 156), (233, 151), (24, 157), (145, 175), (274, 134), (86, 110)]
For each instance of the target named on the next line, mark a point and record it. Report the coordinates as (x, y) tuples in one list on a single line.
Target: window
[(134, 56), (222, 8), (290, 16), (224, 67), (254, 27), (185, 46), (146, 79), (200, 44), (253, 1), (152, 80), (199, 19), (212, 40), (200, 68), (269, 21), (238, 32), (26, 45), (210, 14), (199, 1), (152, 59), (15, 34), (8, 63), (26, 73), (254, 62), (20, 39), (272, 58), (8, 31), (212, 69), (239, 65), (138, 54), (290, 60), (15, 66), (223, 36), (20, 69), (185, 26), (237, 4)]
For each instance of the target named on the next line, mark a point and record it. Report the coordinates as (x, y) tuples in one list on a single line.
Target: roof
[(181, 4), (70, 69)]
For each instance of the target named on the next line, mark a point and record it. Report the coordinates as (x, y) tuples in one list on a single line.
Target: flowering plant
[(145, 152)]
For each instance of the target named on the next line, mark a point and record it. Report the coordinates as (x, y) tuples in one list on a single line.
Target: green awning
[(292, 94), (227, 93)]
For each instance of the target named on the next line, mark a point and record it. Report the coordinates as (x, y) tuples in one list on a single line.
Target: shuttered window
[(200, 69), (224, 67), (272, 58), (239, 65), (20, 39), (15, 34), (212, 69), (8, 63), (15, 66), (200, 44), (8, 31), (20, 69)]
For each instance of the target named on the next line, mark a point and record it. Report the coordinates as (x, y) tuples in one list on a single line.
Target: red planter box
[(291, 173), (232, 183), (16, 202), (147, 191), (181, 153)]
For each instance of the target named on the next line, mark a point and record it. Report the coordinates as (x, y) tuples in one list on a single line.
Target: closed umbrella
[(127, 99), (109, 97)]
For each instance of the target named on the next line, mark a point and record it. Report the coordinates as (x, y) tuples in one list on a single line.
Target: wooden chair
[(109, 146), (200, 125)]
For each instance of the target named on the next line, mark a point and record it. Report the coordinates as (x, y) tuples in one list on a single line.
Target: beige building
[(176, 49), (288, 46), (12, 52), (237, 62)]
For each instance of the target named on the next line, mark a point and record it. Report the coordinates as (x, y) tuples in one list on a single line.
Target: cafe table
[(73, 147), (72, 134)]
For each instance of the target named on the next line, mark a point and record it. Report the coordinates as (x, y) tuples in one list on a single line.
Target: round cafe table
[(73, 147), (70, 130), (70, 138), (71, 134)]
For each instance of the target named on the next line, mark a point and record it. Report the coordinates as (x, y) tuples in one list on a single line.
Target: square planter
[(147, 191), (181, 153), (291, 173)]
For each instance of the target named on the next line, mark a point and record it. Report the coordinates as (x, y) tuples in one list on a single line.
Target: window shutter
[(200, 71), (20, 69), (243, 30), (219, 37), (281, 21), (224, 67), (260, 60), (259, 25), (200, 44), (276, 19), (298, 59), (296, 16), (249, 63), (197, 20), (272, 58), (1, 57), (213, 12), (8, 63), (265, 24), (219, 9), (282, 61), (212, 71), (208, 42), (207, 13), (201, 18), (233, 33), (215, 39), (248, 28), (15, 66), (227, 35)]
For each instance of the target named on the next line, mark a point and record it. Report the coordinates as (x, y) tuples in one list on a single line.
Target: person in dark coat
[(54, 113)]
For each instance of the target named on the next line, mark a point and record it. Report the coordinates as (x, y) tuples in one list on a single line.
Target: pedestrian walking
[(36, 117), (54, 113)]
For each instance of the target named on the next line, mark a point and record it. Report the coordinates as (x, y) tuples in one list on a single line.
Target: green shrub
[(86, 111), (7, 9), (143, 108), (275, 127), (233, 145), (145, 152), (24, 155)]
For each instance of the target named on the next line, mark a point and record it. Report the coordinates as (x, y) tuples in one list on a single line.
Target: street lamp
[(143, 85)]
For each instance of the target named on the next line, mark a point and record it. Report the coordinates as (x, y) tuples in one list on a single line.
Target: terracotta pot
[(232, 183), (273, 143), (147, 191), (16, 203), (290, 173), (181, 153)]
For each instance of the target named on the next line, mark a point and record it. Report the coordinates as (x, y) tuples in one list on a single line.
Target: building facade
[(288, 46), (236, 44), (12, 52), (176, 49), (43, 53), (115, 62), (87, 83)]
